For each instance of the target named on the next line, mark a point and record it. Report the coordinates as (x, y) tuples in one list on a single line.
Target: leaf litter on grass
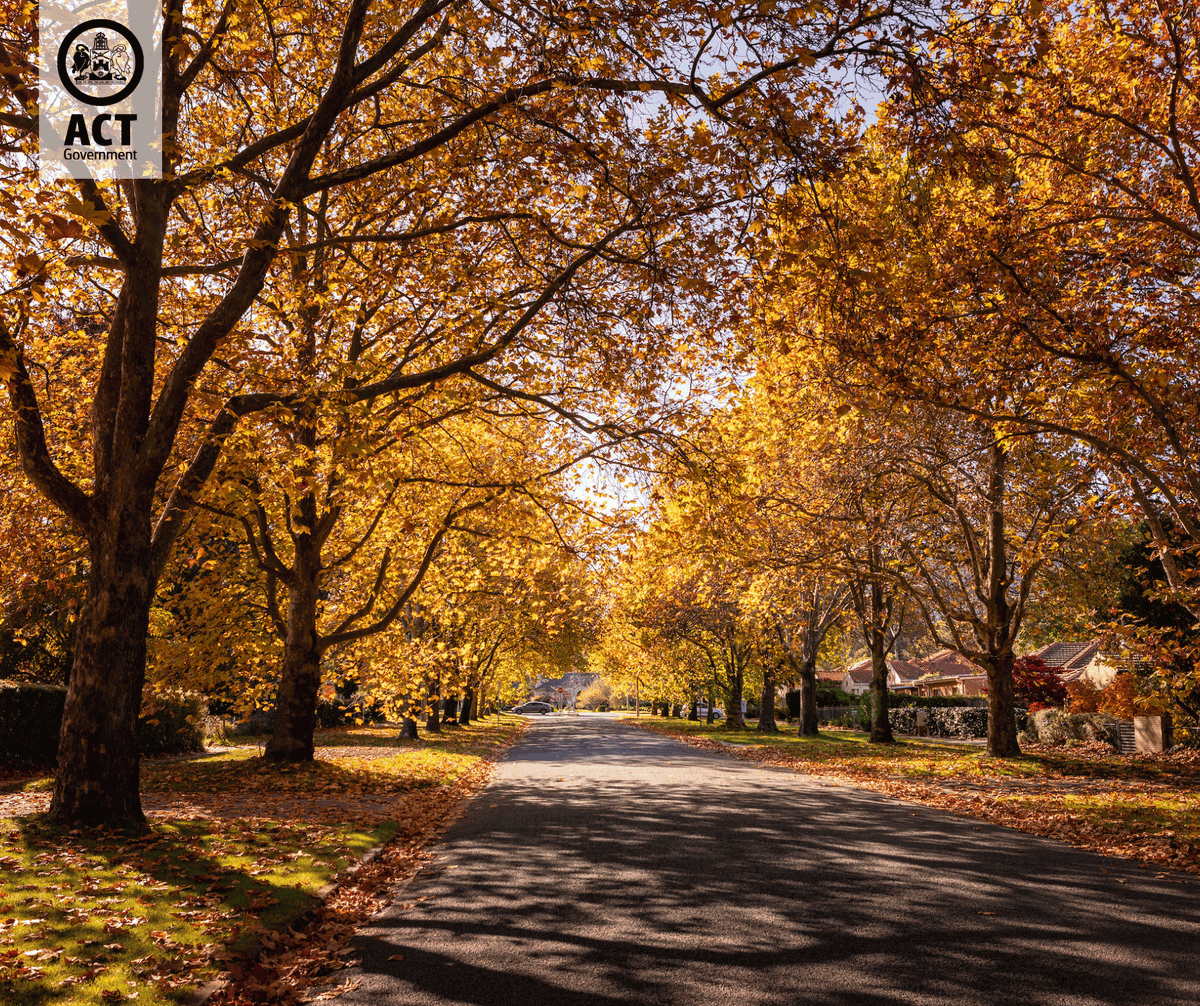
[(1146, 809), (150, 915)]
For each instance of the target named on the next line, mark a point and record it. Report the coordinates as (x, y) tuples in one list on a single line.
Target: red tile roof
[(907, 670), (861, 673)]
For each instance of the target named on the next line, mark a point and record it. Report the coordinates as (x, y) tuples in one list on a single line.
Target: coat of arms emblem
[(100, 62)]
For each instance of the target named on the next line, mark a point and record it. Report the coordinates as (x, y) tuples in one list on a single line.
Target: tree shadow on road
[(756, 885)]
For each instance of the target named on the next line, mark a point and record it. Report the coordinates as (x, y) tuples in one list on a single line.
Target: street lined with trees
[(489, 343)]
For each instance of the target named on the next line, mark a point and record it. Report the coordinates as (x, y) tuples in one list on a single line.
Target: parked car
[(702, 712), (534, 707)]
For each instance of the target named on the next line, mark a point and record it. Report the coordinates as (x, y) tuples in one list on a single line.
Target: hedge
[(31, 717), (827, 695), (171, 723), (963, 721), (900, 699)]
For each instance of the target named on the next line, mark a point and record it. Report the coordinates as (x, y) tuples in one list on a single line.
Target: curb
[(209, 989)]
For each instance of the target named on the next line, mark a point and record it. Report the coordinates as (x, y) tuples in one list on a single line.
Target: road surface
[(608, 865)]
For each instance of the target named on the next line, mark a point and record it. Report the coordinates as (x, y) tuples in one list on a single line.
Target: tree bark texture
[(766, 709), (734, 719), (450, 713), (97, 781), (433, 716), (466, 710), (809, 720), (300, 677), (1002, 720), (1003, 619), (881, 727)]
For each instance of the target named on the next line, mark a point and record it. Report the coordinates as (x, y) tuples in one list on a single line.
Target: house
[(856, 679), (942, 673), (1074, 661), (901, 677), (947, 672), (565, 690)]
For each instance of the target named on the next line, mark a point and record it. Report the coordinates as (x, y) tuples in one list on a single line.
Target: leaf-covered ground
[(237, 849), (1143, 808)]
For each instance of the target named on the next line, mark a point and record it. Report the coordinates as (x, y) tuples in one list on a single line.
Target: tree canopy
[(324, 401)]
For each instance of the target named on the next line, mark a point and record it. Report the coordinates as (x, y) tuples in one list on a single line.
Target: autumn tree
[(680, 590), (539, 109), (1018, 245)]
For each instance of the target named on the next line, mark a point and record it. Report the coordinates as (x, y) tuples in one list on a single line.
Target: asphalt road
[(606, 865)]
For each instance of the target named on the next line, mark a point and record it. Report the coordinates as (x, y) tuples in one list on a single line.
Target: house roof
[(831, 676), (1068, 656), (943, 664), (860, 673), (907, 670), (949, 664)]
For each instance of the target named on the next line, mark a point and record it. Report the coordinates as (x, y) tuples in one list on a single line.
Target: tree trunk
[(451, 709), (98, 761), (766, 708), (881, 727), (464, 711), (810, 722), (300, 680), (433, 715), (1002, 719), (694, 710), (733, 715), (712, 710), (677, 711), (408, 729), (1002, 620)]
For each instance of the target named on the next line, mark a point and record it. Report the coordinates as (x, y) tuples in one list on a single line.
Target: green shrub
[(1053, 726), (30, 717), (171, 723), (903, 720)]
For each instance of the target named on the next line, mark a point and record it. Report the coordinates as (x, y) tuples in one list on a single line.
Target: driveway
[(608, 865)]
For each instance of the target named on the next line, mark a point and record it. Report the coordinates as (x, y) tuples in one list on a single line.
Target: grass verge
[(1143, 808), (237, 850)]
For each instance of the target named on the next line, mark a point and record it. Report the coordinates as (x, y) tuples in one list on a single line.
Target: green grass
[(927, 758), (1146, 809), (100, 918), (83, 916)]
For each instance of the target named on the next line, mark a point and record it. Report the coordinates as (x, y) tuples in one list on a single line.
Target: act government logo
[(101, 72), (100, 62)]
